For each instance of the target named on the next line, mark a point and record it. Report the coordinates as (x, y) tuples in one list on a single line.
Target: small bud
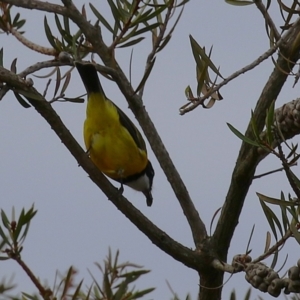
[(29, 82), (270, 277), (64, 57), (294, 286), (274, 292), (256, 281), (263, 287), (293, 273), (261, 271), (298, 263), (277, 283)]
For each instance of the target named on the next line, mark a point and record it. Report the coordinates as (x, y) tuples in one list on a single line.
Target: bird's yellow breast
[(110, 145)]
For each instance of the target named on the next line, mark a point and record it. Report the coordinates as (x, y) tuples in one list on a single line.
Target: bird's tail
[(89, 76)]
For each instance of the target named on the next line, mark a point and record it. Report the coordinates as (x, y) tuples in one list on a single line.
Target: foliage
[(268, 129), (117, 279)]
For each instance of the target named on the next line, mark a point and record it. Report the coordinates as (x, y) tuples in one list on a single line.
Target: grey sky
[(75, 223)]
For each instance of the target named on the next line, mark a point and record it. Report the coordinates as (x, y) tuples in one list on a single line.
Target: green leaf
[(270, 123), (145, 77), (75, 296), (296, 234), (5, 220), (16, 18), (140, 294), (107, 285), (164, 43), (268, 214), (58, 81), (148, 17), (101, 18), (58, 25), (295, 178), (239, 2), (67, 282), (4, 258), (285, 220), (141, 17), (242, 137), (117, 16), (254, 127), (1, 57), (66, 83), (131, 43), (24, 220), (20, 24), (199, 51), (248, 294), (4, 237), (49, 34), (275, 201), (145, 29), (274, 260)]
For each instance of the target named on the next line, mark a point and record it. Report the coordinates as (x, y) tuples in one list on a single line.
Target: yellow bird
[(113, 142)]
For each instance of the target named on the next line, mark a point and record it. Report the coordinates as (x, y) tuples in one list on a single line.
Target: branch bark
[(249, 156), (192, 259), (93, 35)]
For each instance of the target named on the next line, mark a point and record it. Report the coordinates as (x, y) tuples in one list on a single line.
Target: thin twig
[(45, 293), (272, 172), (245, 69), (222, 266)]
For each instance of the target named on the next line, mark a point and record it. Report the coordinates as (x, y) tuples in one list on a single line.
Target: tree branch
[(249, 156), (190, 258), (39, 5), (93, 35)]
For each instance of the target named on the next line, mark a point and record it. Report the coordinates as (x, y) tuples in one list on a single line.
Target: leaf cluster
[(134, 18), (13, 232), (204, 83), (7, 22)]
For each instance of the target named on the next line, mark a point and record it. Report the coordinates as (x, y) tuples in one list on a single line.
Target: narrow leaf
[(242, 137), (145, 77), (1, 57), (66, 83), (101, 18), (275, 201), (201, 52), (58, 80), (49, 34), (21, 100), (270, 123), (239, 2), (268, 242), (268, 215), (131, 43)]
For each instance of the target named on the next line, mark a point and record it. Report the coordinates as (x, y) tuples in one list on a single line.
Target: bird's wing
[(133, 131)]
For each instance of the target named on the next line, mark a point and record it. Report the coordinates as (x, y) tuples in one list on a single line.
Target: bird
[(113, 142)]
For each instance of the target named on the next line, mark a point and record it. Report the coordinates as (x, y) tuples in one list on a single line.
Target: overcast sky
[(75, 223)]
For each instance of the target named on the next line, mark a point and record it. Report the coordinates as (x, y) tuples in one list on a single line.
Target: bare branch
[(39, 5), (35, 47), (219, 265)]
